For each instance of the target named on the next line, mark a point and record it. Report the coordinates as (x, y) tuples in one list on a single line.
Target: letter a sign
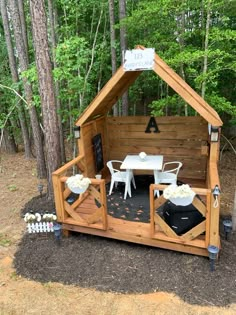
[(152, 125)]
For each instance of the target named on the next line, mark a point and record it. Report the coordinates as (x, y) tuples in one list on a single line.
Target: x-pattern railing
[(160, 229)]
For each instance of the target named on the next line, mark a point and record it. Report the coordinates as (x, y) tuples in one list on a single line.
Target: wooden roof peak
[(122, 79)]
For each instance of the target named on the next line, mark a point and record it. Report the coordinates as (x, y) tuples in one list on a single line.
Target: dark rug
[(135, 208), (115, 266)]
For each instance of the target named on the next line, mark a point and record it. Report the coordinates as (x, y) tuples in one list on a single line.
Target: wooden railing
[(89, 209), (197, 236), (58, 185)]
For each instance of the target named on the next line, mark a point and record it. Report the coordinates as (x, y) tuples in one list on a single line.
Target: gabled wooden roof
[(122, 80)]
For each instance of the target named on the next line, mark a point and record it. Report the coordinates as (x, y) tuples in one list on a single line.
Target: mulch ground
[(114, 266)]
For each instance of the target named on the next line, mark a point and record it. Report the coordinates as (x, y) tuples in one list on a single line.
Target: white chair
[(168, 175), (120, 176)]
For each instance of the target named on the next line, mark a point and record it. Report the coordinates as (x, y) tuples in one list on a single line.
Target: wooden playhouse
[(103, 138)]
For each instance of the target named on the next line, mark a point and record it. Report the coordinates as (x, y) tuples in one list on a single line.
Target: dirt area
[(19, 295)]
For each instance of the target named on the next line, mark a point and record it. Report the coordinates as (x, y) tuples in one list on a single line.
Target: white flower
[(142, 155), (49, 217), (78, 181), (38, 217), (174, 191), (29, 217)]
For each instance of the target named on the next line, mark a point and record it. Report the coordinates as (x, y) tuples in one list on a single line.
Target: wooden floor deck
[(132, 231), (138, 232)]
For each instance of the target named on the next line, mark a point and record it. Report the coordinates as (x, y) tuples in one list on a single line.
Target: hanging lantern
[(214, 134), (77, 132)]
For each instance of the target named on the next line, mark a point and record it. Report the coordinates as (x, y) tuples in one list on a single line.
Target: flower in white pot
[(78, 183), (142, 156), (179, 195)]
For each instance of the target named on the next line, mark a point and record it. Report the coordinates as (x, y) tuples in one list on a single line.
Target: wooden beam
[(199, 205), (58, 187), (165, 227), (180, 86), (72, 213), (68, 165), (93, 191), (214, 238), (194, 232), (95, 216), (208, 208), (187, 93), (181, 247), (108, 94)]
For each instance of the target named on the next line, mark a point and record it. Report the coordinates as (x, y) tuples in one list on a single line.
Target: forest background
[(56, 55)]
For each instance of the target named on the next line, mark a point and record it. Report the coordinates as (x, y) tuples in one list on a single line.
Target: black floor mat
[(135, 208)]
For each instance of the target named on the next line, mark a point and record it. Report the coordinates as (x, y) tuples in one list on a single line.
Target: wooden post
[(214, 238), (58, 193)]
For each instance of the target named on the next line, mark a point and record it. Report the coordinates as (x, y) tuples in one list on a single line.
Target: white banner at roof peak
[(139, 59)]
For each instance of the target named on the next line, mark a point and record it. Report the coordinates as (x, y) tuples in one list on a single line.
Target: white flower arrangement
[(30, 217), (37, 223), (49, 217), (179, 195), (142, 155), (37, 217), (78, 183)]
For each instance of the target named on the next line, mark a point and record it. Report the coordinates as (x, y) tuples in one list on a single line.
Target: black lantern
[(57, 232), (77, 132), (213, 253), (40, 189), (227, 228), (214, 134)]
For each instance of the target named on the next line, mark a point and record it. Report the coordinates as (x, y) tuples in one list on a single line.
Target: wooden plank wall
[(182, 139)]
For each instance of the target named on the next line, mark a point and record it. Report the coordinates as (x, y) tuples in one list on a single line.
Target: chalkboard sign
[(97, 145)]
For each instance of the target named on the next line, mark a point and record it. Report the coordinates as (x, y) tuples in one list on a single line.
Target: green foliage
[(170, 105), (12, 187), (158, 24), (4, 240), (72, 57), (176, 29), (221, 105), (30, 74)]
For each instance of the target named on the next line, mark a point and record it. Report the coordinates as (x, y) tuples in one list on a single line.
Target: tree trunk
[(15, 78), (8, 143), (205, 58), (234, 213), (46, 89), (22, 55), (123, 46), (51, 9), (181, 46), (113, 49), (23, 24)]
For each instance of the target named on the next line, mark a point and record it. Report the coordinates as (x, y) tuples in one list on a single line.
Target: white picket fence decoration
[(39, 223), (40, 227)]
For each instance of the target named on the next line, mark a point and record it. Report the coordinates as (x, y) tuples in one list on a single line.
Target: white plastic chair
[(120, 176), (167, 175)]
